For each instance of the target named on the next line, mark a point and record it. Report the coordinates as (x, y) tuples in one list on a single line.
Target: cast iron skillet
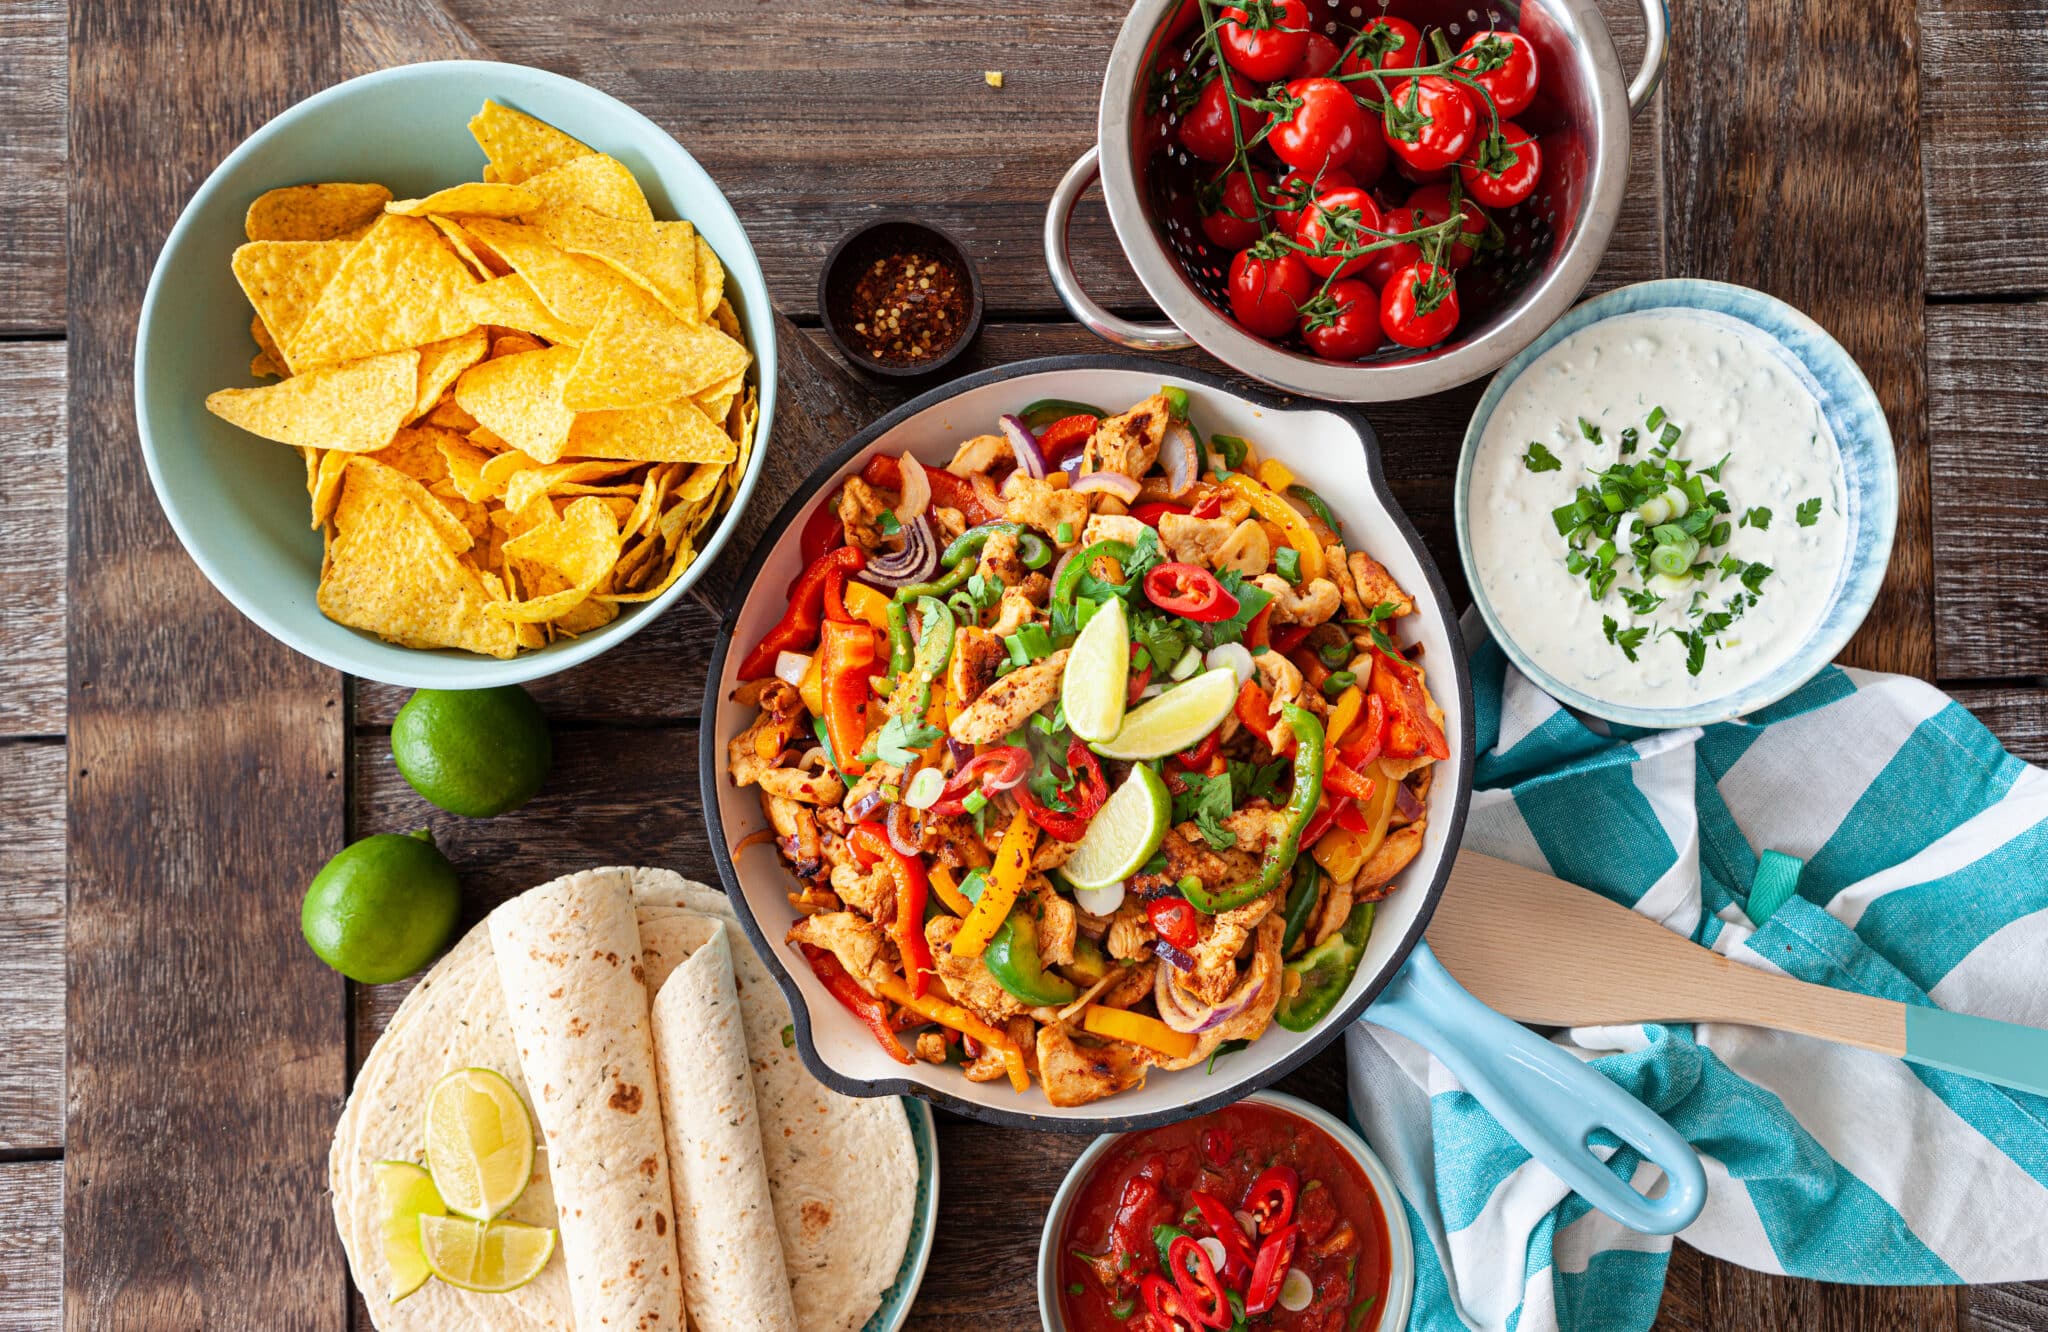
[(1549, 1100)]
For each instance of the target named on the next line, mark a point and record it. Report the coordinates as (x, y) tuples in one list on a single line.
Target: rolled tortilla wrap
[(733, 1275), (568, 956)]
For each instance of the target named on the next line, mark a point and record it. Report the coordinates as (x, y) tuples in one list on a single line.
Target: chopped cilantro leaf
[(901, 738), (1540, 459), (1758, 517), (1808, 512), (1589, 430), (1207, 802)]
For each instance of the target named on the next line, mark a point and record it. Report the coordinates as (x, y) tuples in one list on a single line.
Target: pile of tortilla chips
[(520, 399)]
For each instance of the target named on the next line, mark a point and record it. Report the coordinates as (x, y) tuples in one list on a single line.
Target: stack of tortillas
[(693, 1167)]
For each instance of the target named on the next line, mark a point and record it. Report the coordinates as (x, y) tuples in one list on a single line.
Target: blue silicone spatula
[(1550, 953)]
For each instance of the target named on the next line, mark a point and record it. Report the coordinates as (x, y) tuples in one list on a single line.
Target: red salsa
[(1265, 1188)]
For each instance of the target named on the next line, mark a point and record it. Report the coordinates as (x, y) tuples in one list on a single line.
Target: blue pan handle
[(1550, 1101)]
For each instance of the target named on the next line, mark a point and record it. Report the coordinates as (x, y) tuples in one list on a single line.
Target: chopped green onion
[(924, 788), (1656, 417), (1334, 655), (973, 804), (1232, 448), (1338, 682), (1140, 659), (1673, 560), (1065, 535)]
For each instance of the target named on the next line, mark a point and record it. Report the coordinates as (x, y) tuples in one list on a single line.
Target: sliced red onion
[(1123, 487), (900, 833), (1180, 456), (960, 750), (1072, 466), (1175, 957), (1025, 445), (917, 491), (1406, 804), (791, 667), (1184, 1013), (864, 806), (916, 562)]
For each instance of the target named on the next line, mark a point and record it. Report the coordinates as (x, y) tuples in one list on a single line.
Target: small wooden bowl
[(892, 234)]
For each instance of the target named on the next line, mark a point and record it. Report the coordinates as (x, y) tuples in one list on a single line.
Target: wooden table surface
[(172, 1057)]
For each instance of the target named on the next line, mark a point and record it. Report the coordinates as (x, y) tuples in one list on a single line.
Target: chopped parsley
[(1540, 459), (1589, 430), (1207, 802), (1628, 640), (1758, 517), (1808, 512)]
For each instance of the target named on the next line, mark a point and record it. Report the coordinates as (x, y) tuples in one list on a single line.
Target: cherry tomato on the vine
[(1419, 308), (1504, 170), (1339, 220), (1513, 84), (1347, 326), (1322, 129), (1265, 38), (1318, 58), (1266, 294), (1429, 122), (1432, 204), (1385, 43), (1298, 189), (1234, 222), (1414, 176), (1381, 265), (1205, 130)]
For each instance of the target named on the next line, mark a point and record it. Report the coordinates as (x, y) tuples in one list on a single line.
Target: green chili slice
[(1070, 577), (1318, 506)]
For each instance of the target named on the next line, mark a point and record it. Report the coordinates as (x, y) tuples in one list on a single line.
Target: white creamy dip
[(1730, 390)]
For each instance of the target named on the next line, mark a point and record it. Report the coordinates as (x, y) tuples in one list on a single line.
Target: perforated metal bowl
[(1553, 240)]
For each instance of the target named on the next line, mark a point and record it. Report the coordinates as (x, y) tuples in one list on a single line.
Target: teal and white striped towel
[(1926, 880)]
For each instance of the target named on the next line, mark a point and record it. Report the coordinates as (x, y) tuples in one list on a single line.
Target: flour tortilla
[(568, 957), (733, 1275), (842, 1171)]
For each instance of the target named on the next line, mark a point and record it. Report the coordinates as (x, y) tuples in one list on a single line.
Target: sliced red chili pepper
[(1362, 743), (1216, 1147), (1190, 591), (1065, 435), (1289, 637), (1164, 1300), (996, 769), (1091, 788), (1196, 1277), (1271, 1198), (1062, 825), (873, 1013), (1198, 754), (1269, 1269), (948, 491), (797, 630), (1138, 684), (1237, 1250), (823, 532), (1174, 920), (873, 846), (1352, 819), (1342, 779), (1151, 511)]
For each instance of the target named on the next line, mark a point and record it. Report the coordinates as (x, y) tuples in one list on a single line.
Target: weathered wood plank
[(1984, 122), (1740, 1298), (32, 166), (2005, 1308), (32, 537), (2018, 717), (31, 1246), (1827, 216), (32, 961), (207, 1045), (1986, 404)]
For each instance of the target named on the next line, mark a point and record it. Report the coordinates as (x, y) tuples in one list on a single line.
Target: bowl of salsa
[(1269, 1213)]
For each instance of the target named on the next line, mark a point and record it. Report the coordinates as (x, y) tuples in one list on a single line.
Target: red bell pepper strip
[(1196, 1277), (1289, 637), (1137, 686), (1151, 511), (1271, 1198), (873, 1013), (1210, 507), (948, 491), (1368, 735), (1189, 591), (1410, 730), (1352, 819), (835, 596), (1259, 633), (1196, 756), (1269, 1269), (1319, 823), (823, 532), (872, 846), (1174, 920), (1164, 1301), (1344, 780), (1255, 707), (797, 630), (848, 653), (1065, 435)]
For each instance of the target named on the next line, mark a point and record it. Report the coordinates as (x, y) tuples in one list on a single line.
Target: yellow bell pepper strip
[(812, 688), (1283, 515), (865, 603), (848, 651), (964, 1022), (949, 892), (1273, 474), (1121, 1024), (1349, 704), (1340, 853), (1013, 861)]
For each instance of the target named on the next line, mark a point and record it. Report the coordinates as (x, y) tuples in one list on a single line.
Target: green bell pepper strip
[(940, 586), (1070, 577), (900, 649), (1301, 902), (973, 539), (935, 636), (1012, 958), (1045, 411), (1318, 506), (1301, 807), (1325, 972)]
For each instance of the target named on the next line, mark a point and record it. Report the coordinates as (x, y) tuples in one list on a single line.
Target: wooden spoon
[(1549, 953)]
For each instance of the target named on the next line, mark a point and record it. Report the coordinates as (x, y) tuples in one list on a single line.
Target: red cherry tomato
[(1352, 330), (1234, 222), (1318, 59), (1420, 306), (1323, 130), (1337, 221), (1205, 130), (1266, 294), (1381, 265), (1432, 203), (1410, 173), (1429, 122), (1298, 189), (1511, 83), (1268, 46), (1495, 180), (1384, 43)]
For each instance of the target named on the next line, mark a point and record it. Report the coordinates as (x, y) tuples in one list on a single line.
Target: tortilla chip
[(355, 407), (268, 359), (519, 399), (659, 256), (441, 364), (391, 572), (727, 320), (283, 281), (711, 287), (400, 286), (640, 355), (523, 486), (670, 432), (514, 344), (496, 474), (476, 198), (313, 212), (510, 302), (574, 288), (465, 463), (327, 484), (520, 146), (482, 262), (580, 546), (449, 415), (413, 454), (597, 182)]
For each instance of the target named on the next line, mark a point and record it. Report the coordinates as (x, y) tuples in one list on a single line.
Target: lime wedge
[(491, 1257), (1124, 832), (1098, 675), (479, 1142), (1174, 720), (408, 1193)]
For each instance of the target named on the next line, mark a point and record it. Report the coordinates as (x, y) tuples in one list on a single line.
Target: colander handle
[(1656, 42), (1100, 322)]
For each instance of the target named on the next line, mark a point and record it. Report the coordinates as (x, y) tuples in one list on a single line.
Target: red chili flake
[(908, 308)]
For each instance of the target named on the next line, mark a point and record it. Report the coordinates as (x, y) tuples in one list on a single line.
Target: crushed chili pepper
[(909, 307)]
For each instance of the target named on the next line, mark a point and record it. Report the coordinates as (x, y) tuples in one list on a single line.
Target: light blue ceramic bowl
[(239, 502), (1870, 486), (898, 1300)]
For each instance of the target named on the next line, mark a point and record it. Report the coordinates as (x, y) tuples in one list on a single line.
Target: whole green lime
[(475, 752), (383, 908)]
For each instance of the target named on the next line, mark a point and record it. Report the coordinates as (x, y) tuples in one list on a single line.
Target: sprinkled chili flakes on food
[(909, 308)]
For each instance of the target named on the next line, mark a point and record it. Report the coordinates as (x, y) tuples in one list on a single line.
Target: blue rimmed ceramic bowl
[(237, 502), (1870, 487)]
